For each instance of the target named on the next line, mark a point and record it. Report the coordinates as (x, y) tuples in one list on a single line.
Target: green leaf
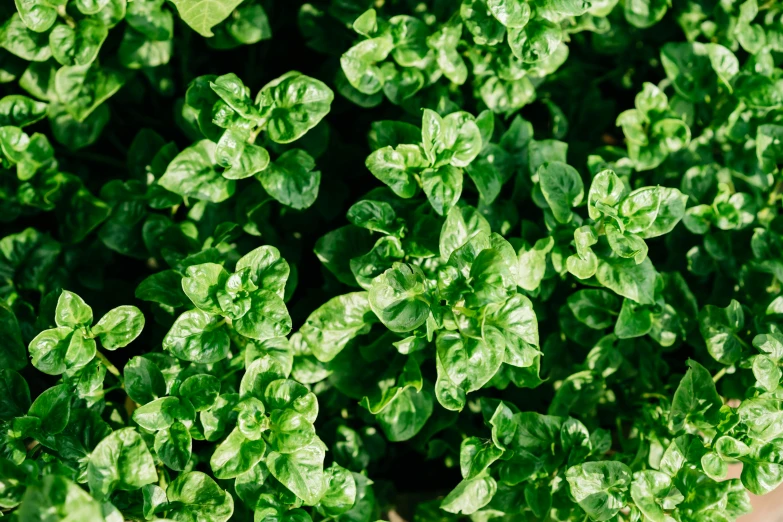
[(562, 187), (368, 267), (194, 495), (470, 495), (359, 64), (724, 63), (78, 45), (530, 435), (90, 7), (653, 492), (556, 9), (645, 13), (595, 308), (251, 420), (387, 133), (28, 45), (762, 469), (260, 373), (366, 24), (340, 495), (330, 327), (56, 350), (406, 415), (53, 407), (714, 467), (516, 321), (600, 488), (72, 311), (203, 15), (201, 284), (766, 372), (535, 41), (137, 51), (289, 431), (236, 455), (720, 328), (15, 396), (154, 497), (197, 336), (771, 344), (768, 146), (119, 327), (763, 418), (399, 298), (173, 446), (443, 187), (461, 225), (298, 103), (476, 456), (201, 390), (395, 168), (696, 401), (38, 15), (192, 174), (266, 318), (492, 276), (301, 471), (241, 159), (511, 13), (628, 279), (77, 134), (232, 91), (19, 111), (158, 414), (480, 22), (286, 393), (121, 461), (465, 364), (454, 140), (290, 179), (144, 382), (268, 270), (532, 264), (83, 88), (57, 498)]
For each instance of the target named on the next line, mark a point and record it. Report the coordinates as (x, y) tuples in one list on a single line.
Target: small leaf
[(119, 327)]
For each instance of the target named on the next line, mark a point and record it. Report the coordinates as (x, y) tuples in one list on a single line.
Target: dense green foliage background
[(286, 261)]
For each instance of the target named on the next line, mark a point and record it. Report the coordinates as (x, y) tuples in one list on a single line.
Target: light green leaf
[(600, 488), (194, 496), (203, 15), (119, 327), (197, 336), (696, 400), (121, 461), (192, 174), (330, 327), (301, 471)]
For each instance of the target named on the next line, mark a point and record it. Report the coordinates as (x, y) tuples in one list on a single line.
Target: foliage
[(496, 259)]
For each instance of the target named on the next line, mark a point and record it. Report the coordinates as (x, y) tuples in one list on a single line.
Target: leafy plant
[(495, 259)]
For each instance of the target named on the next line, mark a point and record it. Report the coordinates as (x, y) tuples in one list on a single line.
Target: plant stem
[(720, 374), (254, 134), (65, 16), (109, 366)]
